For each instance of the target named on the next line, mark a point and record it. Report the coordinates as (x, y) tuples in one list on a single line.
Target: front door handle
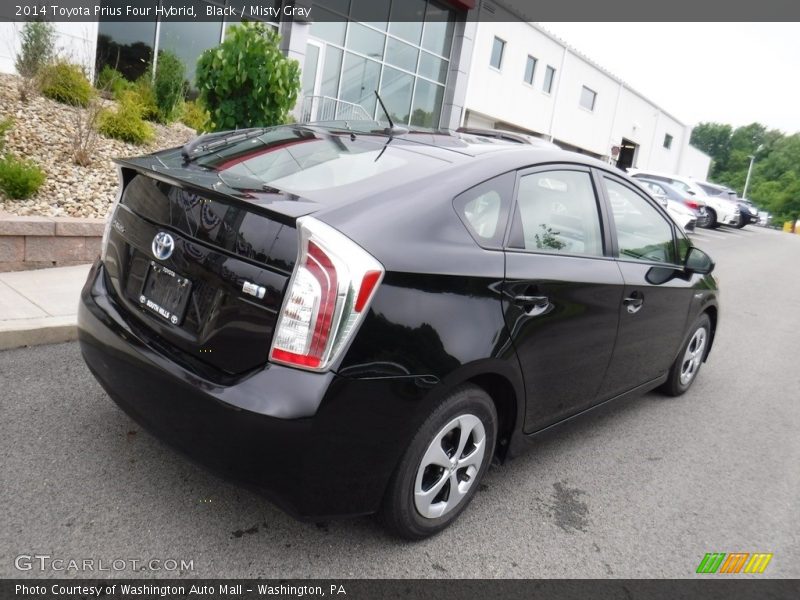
[(634, 302), (533, 305)]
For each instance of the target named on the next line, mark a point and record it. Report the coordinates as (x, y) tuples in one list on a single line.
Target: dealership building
[(436, 63)]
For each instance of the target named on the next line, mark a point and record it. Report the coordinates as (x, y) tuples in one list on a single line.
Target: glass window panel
[(588, 98), (365, 40), (327, 29), (401, 55), (438, 35), (427, 106), (496, 59), (396, 89), (359, 81), (642, 232), (433, 67), (406, 20), (549, 76), (330, 72), (530, 69), (126, 46), (310, 64), (188, 40), (371, 12), (558, 213)]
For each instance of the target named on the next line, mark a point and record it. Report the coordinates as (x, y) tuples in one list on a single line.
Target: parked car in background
[(355, 322), (748, 213), (721, 211), (696, 206)]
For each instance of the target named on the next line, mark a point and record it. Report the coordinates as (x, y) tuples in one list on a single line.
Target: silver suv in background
[(721, 210), (748, 213)]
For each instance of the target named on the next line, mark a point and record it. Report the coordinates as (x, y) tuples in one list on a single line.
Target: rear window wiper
[(204, 145)]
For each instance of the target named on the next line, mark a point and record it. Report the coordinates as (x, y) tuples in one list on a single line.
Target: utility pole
[(749, 171)]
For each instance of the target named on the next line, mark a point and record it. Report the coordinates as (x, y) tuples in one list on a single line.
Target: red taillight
[(368, 283), (692, 203), (331, 287)]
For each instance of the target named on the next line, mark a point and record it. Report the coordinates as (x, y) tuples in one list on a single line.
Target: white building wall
[(504, 94), (502, 98), (76, 42), (575, 124), (694, 163)]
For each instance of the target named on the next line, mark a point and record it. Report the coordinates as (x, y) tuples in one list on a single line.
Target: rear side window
[(484, 210), (557, 213)]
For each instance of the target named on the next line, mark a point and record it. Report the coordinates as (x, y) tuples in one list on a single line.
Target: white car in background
[(721, 211)]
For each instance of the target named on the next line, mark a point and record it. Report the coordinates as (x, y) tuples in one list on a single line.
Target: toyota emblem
[(163, 245)]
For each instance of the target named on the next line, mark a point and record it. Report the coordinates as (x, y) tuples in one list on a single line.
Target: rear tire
[(690, 358), (712, 219), (443, 466)]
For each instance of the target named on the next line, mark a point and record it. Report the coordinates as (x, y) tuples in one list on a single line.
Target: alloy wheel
[(693, 356), (449, 466)]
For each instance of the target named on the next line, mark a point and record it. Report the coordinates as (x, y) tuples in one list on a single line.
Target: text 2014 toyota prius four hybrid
[(359, 322)]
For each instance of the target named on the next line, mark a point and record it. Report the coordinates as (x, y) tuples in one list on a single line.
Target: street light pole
[(747, 181)]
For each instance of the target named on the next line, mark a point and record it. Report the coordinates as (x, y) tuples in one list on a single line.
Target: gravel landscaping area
[(42, 132)]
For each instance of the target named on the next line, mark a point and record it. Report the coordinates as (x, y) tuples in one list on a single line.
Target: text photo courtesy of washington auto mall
[(399, 299)]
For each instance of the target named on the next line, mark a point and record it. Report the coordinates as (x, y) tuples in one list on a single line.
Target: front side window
[(530, 69), (549, 76), (643, 233), (588, 98), (557, 213), (498, 47)]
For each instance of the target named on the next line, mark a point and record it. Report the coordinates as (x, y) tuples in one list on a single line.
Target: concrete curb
[(35, 332)]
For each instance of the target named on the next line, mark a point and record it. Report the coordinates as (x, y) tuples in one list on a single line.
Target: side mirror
[(698, 261)]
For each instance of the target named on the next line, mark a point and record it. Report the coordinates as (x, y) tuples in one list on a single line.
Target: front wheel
[(443, 466), (693, 352)]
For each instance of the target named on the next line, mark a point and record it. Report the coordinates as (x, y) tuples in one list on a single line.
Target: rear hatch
[(203, 243), (217, 295)]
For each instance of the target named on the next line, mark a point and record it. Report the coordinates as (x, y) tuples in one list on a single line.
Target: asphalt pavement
[(643, 489)]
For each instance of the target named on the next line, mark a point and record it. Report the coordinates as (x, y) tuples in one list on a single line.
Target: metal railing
[(327, 108)]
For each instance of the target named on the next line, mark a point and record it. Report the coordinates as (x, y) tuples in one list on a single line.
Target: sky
[(736, 73)]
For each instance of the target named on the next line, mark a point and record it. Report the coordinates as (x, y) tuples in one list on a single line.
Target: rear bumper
[(317, 444)]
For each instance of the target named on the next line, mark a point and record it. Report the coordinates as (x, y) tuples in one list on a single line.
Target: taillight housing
[(329, 293), (692, 203)]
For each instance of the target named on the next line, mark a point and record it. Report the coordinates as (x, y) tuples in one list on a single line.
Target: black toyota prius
[(356, 322)]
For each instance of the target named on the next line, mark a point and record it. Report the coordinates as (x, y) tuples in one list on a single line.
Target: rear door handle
[(533, 305), (634, 302)]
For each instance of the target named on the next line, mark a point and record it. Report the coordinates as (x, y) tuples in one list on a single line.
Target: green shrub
[(195, 116), (5, 127), (112, 81), (146, 97), (37, 48), (169, 86), (66, 83), (19, 179), (125, 122), (247, 81)]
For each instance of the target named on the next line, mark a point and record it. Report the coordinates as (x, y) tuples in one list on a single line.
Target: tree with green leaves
[(246, 81), (775, 178)]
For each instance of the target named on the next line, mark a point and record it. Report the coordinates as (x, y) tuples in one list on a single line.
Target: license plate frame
[(165, 293)]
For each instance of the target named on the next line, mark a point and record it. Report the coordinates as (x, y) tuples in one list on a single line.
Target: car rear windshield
[(300, 161)]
